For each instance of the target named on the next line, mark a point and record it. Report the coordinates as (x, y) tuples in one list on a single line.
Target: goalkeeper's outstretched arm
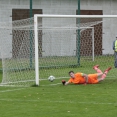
[(64, 82)]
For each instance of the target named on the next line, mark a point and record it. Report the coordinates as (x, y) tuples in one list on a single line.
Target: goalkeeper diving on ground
[(81, 78)]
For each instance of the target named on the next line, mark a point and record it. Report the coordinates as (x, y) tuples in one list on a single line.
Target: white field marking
[(84, 102), (12, 90), (55, 78), (51, 84), (17, 82), (95, 103)]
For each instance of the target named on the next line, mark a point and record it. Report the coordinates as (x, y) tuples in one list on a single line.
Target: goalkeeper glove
[(63, 82)]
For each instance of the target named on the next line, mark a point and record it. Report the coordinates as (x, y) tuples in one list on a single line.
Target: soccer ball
[(51, 78)]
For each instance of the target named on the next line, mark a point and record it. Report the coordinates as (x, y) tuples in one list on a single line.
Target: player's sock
[(103, 76), (107, 70), (97, 69)]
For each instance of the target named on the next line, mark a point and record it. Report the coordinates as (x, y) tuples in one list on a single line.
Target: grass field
[(52, 99), (57, 100)]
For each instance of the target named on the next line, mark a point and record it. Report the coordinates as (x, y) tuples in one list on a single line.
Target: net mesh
[(17, 50)]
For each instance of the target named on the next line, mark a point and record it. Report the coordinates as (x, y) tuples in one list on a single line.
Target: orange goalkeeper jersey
[(79, 79)]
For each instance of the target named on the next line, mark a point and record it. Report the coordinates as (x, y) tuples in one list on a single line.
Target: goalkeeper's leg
[(96, 68), (103, 76), (105, 72)]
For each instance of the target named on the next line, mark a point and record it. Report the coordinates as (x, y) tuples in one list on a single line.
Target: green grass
[(52, 99), (49, 100)]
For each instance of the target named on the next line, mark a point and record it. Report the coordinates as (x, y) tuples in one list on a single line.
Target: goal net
[(17, 52), (34, 49)]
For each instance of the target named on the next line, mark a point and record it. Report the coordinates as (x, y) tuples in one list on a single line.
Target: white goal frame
[(36, 16)]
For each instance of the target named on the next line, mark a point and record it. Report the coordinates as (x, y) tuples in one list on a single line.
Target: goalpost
[(33, 49)]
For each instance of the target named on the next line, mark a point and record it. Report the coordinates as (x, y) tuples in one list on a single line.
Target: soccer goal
[(35, 48), (73, 40)]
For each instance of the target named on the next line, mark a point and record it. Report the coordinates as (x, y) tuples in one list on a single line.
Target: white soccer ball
[(51, 78)]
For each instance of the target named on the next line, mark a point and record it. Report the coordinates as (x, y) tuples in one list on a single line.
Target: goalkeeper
[(81, 78)]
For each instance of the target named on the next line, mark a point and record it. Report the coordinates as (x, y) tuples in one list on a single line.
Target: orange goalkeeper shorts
[(92, 78)]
